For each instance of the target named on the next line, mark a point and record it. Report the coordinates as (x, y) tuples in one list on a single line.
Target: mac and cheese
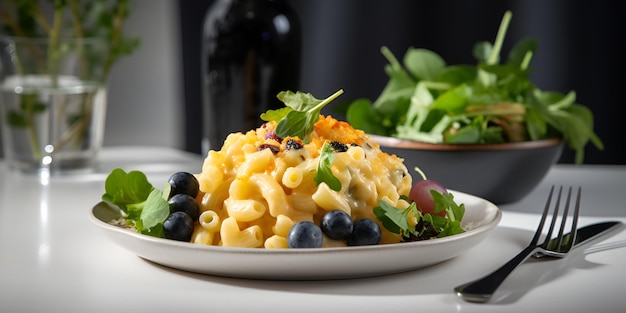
[(257, 186)]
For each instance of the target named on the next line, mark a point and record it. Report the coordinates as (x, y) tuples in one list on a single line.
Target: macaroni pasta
[(257, 186)]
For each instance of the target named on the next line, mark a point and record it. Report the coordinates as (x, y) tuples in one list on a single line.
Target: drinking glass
[(52, 103)]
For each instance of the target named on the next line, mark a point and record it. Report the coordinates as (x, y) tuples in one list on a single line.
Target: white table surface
[(53, 259)]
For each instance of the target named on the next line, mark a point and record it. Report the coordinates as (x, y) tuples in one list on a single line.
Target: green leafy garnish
[(300, 114), (396, 220), (451, 223), (154, 213), (144, 207), (123, 188), (490, 102), (324, 173)]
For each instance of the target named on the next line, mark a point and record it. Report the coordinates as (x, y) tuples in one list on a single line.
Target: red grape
[(420, 194)]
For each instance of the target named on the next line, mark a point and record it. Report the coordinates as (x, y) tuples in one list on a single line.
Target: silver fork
[(482, 289)]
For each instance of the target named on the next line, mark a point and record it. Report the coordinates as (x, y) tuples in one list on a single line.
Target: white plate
[(481, 216)]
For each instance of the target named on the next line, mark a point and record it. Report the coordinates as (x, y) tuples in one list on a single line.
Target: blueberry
[(365, 232), (338, 146), (183, 183), (304, 235), (336, 224), (178, 226), (184, 203), (292, 144)]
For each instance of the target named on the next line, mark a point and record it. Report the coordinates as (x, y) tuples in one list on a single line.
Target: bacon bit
[(272, 135), (273, 148)]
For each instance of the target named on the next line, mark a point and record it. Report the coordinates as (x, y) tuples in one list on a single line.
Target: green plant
[(428, 100), (58, 28), (55, 19)]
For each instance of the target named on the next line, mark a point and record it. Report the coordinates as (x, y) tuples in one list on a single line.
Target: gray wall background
[(579, 49), (145, 90), (154, 95)]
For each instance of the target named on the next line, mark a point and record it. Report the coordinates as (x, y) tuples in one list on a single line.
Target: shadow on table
[(441, 278), (435, 279)]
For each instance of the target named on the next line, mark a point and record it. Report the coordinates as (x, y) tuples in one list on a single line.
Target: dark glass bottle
[(250, 52)]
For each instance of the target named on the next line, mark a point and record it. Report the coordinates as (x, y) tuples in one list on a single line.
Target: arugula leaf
[(364, 117), (275, 115), (144, 207), (297, 124), (154, 213), (396, 220), (298, 101), (324, 173), (123, 188), (300, 114), (398, 89), (424, 64), (451, 223), (445, 202)]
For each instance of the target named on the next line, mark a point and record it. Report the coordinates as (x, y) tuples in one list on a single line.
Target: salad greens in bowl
[(492, 102), (476, 128)]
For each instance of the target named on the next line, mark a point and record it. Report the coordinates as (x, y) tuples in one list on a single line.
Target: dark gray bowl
[(500, 173)]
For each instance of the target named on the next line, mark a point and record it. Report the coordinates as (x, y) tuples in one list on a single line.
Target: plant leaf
[(424, 64), (305, 111), (155, 211), (324, 173), (395, 220), (16, 119), (275, 115), (123, 188)]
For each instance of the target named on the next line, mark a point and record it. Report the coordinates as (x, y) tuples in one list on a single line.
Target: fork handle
[(482, 289)]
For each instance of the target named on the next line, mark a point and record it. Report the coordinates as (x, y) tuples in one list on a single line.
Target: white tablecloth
[(53, 259)]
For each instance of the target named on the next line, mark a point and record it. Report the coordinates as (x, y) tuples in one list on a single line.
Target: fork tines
[(561, 243)]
